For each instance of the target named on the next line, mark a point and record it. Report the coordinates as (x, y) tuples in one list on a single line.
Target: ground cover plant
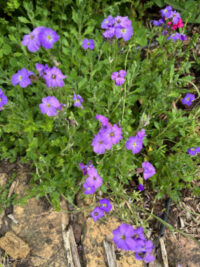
[(90, 109)]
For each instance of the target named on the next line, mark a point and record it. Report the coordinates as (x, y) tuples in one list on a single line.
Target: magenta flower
[(54, 77), (88, 44), (148, 170), (77, 101), (48, 37), (97, 213), (49, 105), (122, 236), (89, 189), (3, 99), (22, 78), (188, 99), (105, 205)]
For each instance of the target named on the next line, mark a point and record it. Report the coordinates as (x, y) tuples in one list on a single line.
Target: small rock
[(14, 246), (3, 179)]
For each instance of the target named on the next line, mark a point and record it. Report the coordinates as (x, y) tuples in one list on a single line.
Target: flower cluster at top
[(128, 238), (99, 212), (40, 36), (119, 27), (170, 20), (118, 77), (193, 151), (107, 136)]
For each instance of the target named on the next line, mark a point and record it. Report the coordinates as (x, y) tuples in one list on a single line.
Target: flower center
[(123, 30), (49, 38), (104, 205), (100, 142), (31, 37), (88, 43), (187, 98), (123, 237), (134, 144), (20, 77), (0, 99), (112, 134), (53, 76), (94, 178), (48, 105), (96, 213)]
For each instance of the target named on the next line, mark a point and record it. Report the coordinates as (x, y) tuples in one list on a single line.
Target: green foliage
[(155, 83)]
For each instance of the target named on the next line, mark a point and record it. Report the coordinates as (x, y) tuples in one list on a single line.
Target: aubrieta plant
[(81, 96)]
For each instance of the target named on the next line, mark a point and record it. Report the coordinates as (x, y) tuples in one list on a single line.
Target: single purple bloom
[(99, 144), (123, 235), (3, 99), (105, 205), (48, 37), (41, 69), (197, 149), (188, 99), (148, 170), (22, 78), (192, 151), (177, 36), (165, 32), (115, 75), (158, 22), (108, 22), (182, 37), (103, 120), (140, 187), (136, 244), (119, 77), (49, 105), (139, 233), (141, 134), (54, 77), (97, 213), (77, 101), (113, 134), (93, 178), (166, 12), (124, 33), (89, 189), (147, 257), (175, 17), (88, 44), (134, 144), (31, 40), (122, 22), (109, 33)]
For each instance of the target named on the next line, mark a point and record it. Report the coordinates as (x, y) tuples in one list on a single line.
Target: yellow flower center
[(20, 77), (31, 37), (123, 30), (134, 144), (48, 105), (53, 76), (49, 38), (123, 237)]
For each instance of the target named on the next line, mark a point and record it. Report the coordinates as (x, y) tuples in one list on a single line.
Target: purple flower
[(54, 77), (166, 12), (109, 33), (77, 101), (100, 144), (158, 22), (22, 78), (177, 36), (140, 187), (49, 105), (124, 33), (122, 22), (85, 168), (3, 99), (113, 134), (97, 213), (122, 236), (141, 134), (193, 151), (41, 69), (182, 37), (93, 178), (103, 120), (188, 99), (147, 257), (88, 44), (108, 22), (48, 37), (89, 189), (118, 77), (175, 17), (148, 170), (134, 144), (31, 40), (105, 205)]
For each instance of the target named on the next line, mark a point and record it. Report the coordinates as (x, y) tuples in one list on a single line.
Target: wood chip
[(163, 252), (110, 254)]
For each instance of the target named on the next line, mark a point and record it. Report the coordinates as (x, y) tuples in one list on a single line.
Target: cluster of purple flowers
[(98, 212), (22, 78), (40, 36), (50, 106), (193, 151), (120, 27), (93, 180), (135, 143), (118, 77), (107, 136), (3, 99), (52, 76), (128, 238), (188, 99), (88, 44), (170, 20)]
